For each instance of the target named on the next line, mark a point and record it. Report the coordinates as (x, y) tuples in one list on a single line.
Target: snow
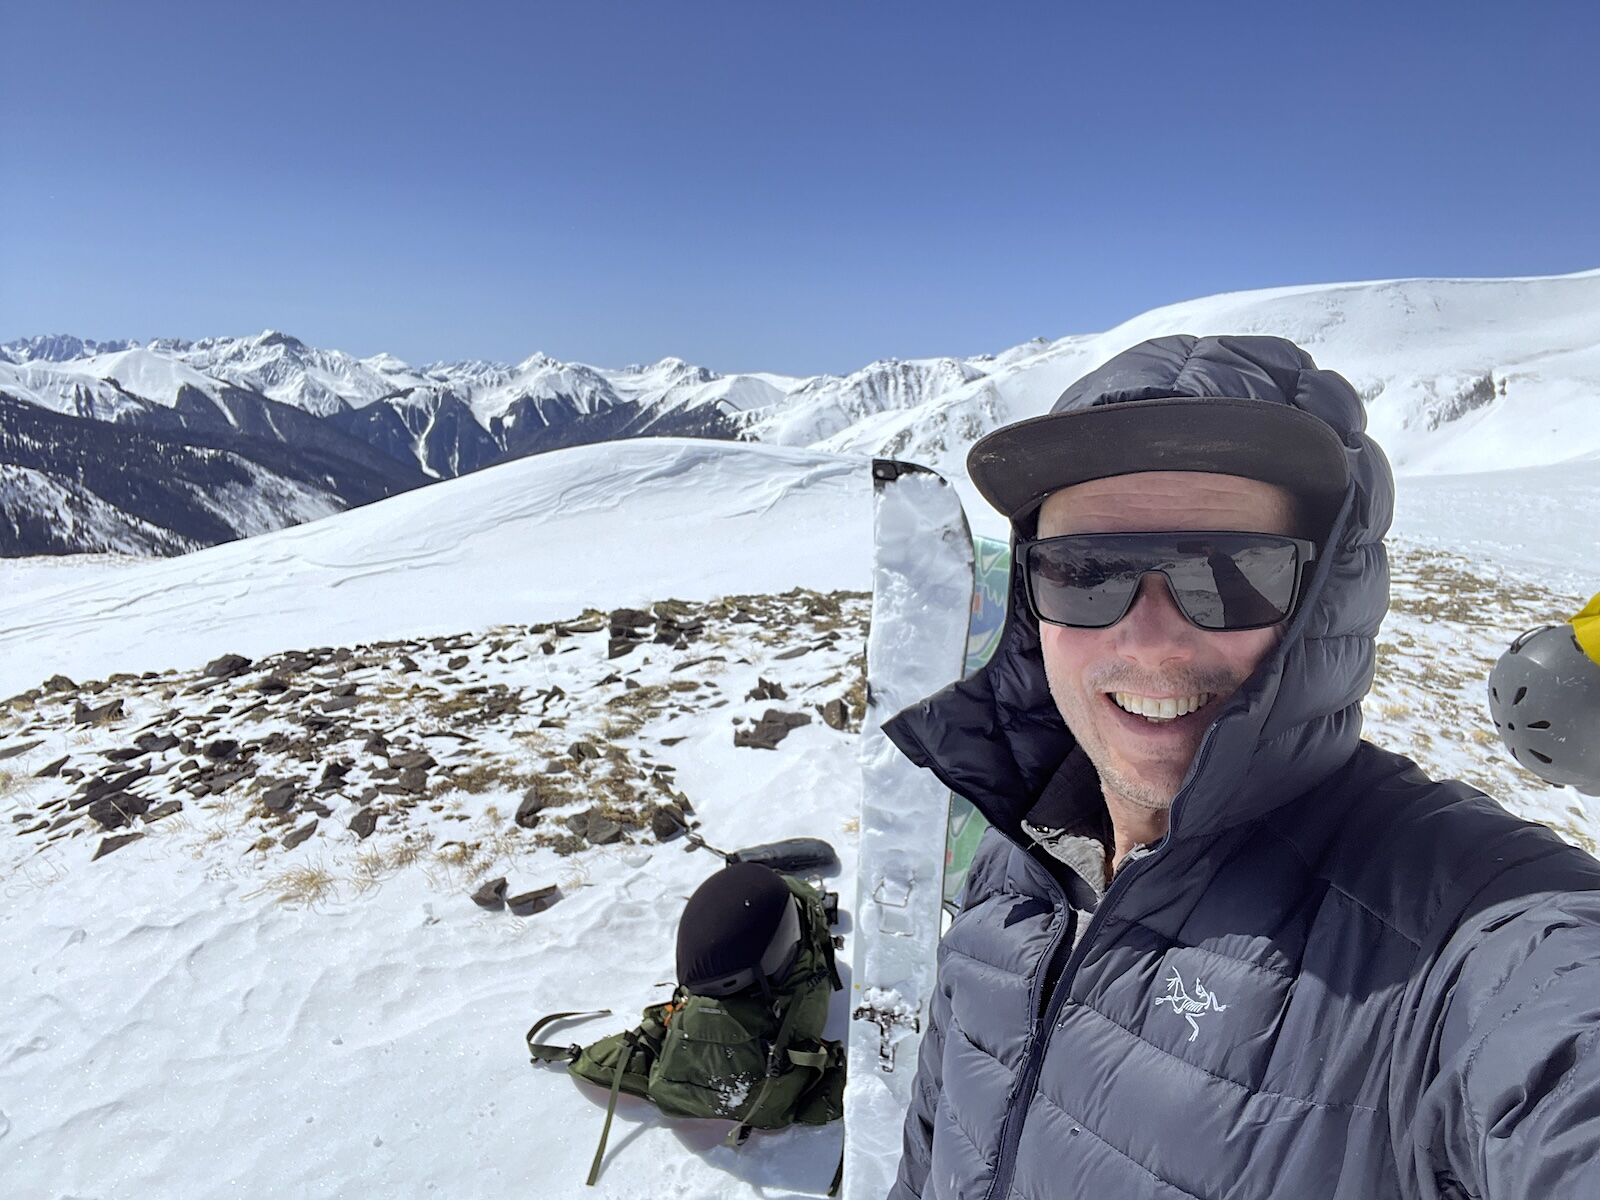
[(146, 374), (619, 523)]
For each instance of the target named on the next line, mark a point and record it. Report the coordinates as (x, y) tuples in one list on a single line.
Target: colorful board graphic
[(991, 586)]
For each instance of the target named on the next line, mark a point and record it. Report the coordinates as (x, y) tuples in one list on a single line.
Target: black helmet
[(1544, 697), (740, 929)]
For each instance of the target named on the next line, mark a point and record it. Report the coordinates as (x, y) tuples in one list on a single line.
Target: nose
[(1154, 630)]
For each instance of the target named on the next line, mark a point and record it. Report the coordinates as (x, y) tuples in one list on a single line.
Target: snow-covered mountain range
[(1458, 376)]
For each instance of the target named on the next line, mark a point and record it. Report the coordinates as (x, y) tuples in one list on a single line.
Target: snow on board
[(921, 605)]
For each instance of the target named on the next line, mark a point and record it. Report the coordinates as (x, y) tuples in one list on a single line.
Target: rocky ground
[(462, 754)]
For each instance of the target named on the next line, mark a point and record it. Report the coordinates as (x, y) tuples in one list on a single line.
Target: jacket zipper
[(1011, 1127)]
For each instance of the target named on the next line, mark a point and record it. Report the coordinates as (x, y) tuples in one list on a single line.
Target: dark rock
[(582, 750), (272, 685), (547, 647), (38, 827), (672, 741), (346, 688), (59, 683), (773, 727), (630, 685), (340, 703), (333, 776), (295, 837), (492, 894), (279, 797), (50, 770), (766, 689), (456, 663), (164, 809), (19, 748), (107, 845), (118, 809), (414, 780), (316, 806), (111, 781), (84, 714), (610, 679), (666, 822), (124, 754), (364, 822), (65, 819), (412, 758), (530, 808), (794, 653), (603, 831), (155, 743), (408, 664), (376, 743), (835, 715), (221, 750), (525, 904), (227, 667), (618, 646)]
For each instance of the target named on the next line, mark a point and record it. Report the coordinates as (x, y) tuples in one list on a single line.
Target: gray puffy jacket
[(1334, 977)]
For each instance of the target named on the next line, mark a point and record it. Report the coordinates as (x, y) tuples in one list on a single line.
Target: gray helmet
[(1544, 696)]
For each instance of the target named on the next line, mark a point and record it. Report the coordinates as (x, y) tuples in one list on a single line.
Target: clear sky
[(756, 185)]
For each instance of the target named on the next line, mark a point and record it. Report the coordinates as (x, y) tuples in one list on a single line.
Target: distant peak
[(274, 337)]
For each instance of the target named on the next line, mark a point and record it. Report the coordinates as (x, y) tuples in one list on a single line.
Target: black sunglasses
[(1221, 580)]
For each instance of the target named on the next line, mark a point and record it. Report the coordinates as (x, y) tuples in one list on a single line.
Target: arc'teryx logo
[(1189, 1007)]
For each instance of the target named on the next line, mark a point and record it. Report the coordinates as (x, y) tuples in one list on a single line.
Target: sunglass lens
[(1077, 584), (1233, 583), (1221, 581)]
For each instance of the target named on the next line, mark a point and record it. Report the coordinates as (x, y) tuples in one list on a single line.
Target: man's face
[(1154, 651)]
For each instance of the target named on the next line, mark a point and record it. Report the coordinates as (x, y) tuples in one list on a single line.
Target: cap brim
[(1016, 467)]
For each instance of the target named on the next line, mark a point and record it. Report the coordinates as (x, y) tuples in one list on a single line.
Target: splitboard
[(922, 596)]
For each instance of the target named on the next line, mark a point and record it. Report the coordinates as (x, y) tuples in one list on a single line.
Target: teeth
[(1160, 710)]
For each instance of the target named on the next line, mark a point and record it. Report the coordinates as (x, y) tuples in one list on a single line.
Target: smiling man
[(1214, 944)]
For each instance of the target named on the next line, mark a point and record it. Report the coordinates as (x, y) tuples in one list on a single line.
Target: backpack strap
[(776, 1054), (540, 1053), (630, 1040)]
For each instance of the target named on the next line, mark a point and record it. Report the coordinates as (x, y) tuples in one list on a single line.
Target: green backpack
[(741, 1037)]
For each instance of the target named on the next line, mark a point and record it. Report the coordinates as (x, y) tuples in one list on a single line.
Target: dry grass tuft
[(487, 776), (301, 887)]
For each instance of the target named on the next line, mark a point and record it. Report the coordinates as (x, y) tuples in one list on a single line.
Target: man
[(1214, 944)]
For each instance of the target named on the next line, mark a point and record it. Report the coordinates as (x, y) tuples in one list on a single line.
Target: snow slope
[(528, 540)]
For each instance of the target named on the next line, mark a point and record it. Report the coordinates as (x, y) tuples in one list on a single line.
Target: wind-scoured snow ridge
[(525, 540), (1457, 375)]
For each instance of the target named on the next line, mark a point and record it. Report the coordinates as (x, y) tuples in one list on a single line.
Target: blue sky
[(769, 186)]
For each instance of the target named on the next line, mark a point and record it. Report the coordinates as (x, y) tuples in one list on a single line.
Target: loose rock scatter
[(461, 753)]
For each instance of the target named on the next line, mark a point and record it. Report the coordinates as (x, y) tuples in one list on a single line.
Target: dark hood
[(996, 737)]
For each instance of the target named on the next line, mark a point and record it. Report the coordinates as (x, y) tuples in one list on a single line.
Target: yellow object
[(1586, 628)]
